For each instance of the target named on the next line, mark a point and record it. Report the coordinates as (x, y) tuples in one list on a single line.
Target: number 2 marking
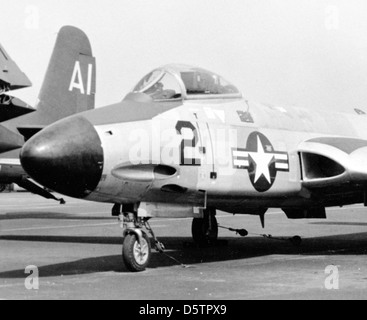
[(188, 143)]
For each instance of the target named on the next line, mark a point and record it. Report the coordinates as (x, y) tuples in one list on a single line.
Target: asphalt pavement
[(77, 251)]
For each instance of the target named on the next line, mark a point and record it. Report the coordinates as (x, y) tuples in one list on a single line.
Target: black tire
[(130, 253), (200, 230), (2, 187)]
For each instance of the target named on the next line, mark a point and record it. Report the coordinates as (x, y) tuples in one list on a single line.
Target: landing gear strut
[(205, 230)]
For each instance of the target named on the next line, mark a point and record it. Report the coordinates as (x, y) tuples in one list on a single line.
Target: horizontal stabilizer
[(29, 131), (11, 107), (9, 140), (11, 77)]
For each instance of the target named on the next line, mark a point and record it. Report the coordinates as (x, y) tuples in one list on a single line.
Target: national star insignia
[(264, 162)]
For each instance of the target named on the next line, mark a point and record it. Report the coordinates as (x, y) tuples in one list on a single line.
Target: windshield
[(159, 85)]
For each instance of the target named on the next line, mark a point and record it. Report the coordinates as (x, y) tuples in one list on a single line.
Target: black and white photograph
[(183, 155)]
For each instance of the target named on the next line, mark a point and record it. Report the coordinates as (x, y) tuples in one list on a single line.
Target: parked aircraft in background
[(11, 78), (69, 87), (185, 143)]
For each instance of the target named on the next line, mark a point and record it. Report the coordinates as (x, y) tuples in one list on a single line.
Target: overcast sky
[(310, 53)]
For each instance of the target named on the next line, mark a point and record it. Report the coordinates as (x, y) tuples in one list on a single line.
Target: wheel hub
[(141, 252)]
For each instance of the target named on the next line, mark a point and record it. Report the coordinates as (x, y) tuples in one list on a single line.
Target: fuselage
[(218, 151), (221, 126)]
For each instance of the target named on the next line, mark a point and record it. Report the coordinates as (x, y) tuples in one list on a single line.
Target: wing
[(11, 77), (11, 107)]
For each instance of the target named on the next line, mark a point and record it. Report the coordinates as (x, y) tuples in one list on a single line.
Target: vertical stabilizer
[(69, 86)]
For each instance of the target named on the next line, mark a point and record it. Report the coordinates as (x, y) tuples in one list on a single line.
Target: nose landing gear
[(136, 250)]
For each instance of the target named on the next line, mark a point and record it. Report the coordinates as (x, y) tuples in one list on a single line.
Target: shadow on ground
[(52, 216), (237, 248)]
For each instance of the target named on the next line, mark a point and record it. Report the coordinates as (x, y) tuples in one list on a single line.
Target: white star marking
[(262, 160)]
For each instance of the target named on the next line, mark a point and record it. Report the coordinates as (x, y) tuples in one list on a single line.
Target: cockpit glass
[(201, 82), (185, 82), (159, 85)]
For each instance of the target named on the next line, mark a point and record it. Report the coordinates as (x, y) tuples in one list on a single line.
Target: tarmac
[(77, 250)]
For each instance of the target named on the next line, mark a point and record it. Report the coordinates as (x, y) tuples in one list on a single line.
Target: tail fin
[(70, 83)]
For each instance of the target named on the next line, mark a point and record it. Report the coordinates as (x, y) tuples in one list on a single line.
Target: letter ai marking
[(77, 79)]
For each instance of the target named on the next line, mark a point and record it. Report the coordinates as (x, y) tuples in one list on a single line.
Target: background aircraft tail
[(70, 83)]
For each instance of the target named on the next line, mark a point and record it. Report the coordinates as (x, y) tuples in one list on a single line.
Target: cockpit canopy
[(178, 82)]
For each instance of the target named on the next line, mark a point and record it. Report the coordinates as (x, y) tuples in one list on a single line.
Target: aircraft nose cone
[(66, 157)]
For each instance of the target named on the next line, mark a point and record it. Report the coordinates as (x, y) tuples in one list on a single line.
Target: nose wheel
[(137, 249), (136, 252)]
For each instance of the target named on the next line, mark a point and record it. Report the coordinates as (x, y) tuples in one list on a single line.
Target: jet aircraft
[(185, 143), (68, 88)]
